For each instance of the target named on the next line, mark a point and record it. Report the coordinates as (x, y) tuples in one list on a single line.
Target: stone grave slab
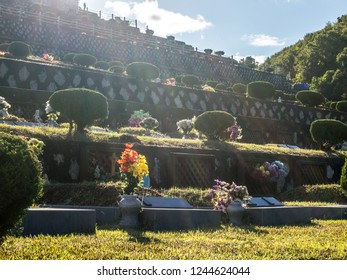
[(264, 201), (164, 202)]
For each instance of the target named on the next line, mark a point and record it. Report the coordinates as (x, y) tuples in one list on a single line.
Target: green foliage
[(261, 89), (86, 193), (309, 59), (221, 86), (341, 106), (116, 63), (69, 57), (117, 69), (84, 59), (315, 193), (284, 96), (102, 65), (212, 83), (239, 88), (19, 49), (333, 105), (83, 106), (328, 133), (343, 178), (310, 98), (194, 196), (190, 80), (143, 70), (4, 47), (149, 123), (21, 183), (213, 124)]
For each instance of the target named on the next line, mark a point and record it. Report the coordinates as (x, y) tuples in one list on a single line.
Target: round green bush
[(310, 98), (19, 49), (328, 132), (117, 69), (20, 183), (221, 86), (212, 83), (341, 106), (213, 124), (102, 65), (333, 105), (69, 57), (83, 106), (190, 80), (4, 47), (149, 123), (84, 59), (116, 63), (261, 89), (143, 70), (343, 178), (239, 88)]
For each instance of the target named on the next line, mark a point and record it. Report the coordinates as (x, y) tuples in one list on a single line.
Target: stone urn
[(130, 207), (235, 212)]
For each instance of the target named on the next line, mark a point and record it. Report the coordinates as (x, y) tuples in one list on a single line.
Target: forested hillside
[(319, 59)]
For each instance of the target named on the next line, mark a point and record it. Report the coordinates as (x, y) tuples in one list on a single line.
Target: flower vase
[(130, 207), (236, 212)]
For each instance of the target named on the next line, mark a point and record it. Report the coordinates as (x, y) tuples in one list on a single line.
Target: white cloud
[(262, 40), (162, 21)]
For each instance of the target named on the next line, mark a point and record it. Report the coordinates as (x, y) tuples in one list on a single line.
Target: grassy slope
[(114, 137)]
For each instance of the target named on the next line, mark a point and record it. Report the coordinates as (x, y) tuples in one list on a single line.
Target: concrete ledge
[(337, 212), (180, 219), (104, 214), (275, 216), (53, 221)]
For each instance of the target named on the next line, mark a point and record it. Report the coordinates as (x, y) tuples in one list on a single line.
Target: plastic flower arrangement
[(133, 167), (47, 57), (235, 132), (276, 171), (137, 117), (170, 82), (4, 106), (185, 126), (223, 194)]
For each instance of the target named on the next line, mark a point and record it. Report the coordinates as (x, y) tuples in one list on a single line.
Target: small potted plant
[(133, 168), (228, 198)]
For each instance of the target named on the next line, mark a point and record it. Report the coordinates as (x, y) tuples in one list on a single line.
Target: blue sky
[(240, 28)]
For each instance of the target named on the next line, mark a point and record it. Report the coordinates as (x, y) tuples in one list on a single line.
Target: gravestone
[(263, 201), (164, 202)]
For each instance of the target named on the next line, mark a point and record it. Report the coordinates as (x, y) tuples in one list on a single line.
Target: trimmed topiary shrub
[(212, 83), (4, 47), (102, 65), (84, 59), (343, 178), (261, 89), (143, 70), (221, 86), (239, 88), (341, 106), (213, 124), (83, 106), (310, 98), (117, 69), (69, 57), (333, 105), (190, 80), (21, 182), (328, 133), (19, 49), (116, 63)]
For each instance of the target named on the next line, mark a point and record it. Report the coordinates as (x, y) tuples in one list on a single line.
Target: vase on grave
[(130, 207), (235, 212)]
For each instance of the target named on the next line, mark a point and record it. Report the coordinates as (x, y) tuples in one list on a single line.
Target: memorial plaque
[(163, 202), (264, 201)]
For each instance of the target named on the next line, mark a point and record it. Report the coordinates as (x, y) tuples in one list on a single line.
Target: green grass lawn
[(321, 240)]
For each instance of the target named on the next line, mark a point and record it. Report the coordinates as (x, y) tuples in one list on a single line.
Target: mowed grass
[(320, 240)]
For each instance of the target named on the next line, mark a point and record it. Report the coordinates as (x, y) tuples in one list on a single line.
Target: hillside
[(318, 59)]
